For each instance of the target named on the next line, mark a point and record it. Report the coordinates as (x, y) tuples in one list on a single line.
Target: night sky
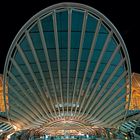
[(124, 15)]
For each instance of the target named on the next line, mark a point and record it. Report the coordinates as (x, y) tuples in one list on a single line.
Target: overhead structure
[(5, 127), (67, 67), (128, 126)]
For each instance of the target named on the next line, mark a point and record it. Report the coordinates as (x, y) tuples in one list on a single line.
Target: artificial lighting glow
[(16, 128), (2, 106), (66, 121), (135, 89), (80, 134), (9, 136), (67, 104)]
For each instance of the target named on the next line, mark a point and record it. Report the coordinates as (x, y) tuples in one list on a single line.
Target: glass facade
[(67, 70)]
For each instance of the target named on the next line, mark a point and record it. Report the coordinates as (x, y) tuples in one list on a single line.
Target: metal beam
[(58, 61), (89, 59), (48, 64), (79, 57), (41, 73)]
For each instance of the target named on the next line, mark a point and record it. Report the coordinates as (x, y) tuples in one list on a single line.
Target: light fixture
[(9, 136)]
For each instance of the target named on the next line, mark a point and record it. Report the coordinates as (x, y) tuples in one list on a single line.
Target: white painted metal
[(32, 107)]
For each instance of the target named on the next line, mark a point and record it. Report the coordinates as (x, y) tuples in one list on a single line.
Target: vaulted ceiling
[(67, 69)]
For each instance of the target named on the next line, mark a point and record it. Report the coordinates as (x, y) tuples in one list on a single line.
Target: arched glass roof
[(67, 63)]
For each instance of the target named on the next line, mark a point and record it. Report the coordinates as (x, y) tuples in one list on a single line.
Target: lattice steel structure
[(5, 127), (67, 68)]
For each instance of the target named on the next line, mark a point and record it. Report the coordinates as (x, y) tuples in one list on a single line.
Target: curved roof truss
[(68, 62)]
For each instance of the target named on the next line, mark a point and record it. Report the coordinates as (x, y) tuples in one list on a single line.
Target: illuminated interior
[(66, 75), (135, 97), (2, 107)]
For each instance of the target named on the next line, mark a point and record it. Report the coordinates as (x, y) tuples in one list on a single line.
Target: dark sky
[(125, 15)]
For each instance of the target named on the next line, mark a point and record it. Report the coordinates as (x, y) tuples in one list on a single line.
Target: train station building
[(67, 75)]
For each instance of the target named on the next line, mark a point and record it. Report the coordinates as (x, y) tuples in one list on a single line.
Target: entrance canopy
[(67, 69)]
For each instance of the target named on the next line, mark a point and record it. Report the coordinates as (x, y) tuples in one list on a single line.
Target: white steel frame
[(46, 112)]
